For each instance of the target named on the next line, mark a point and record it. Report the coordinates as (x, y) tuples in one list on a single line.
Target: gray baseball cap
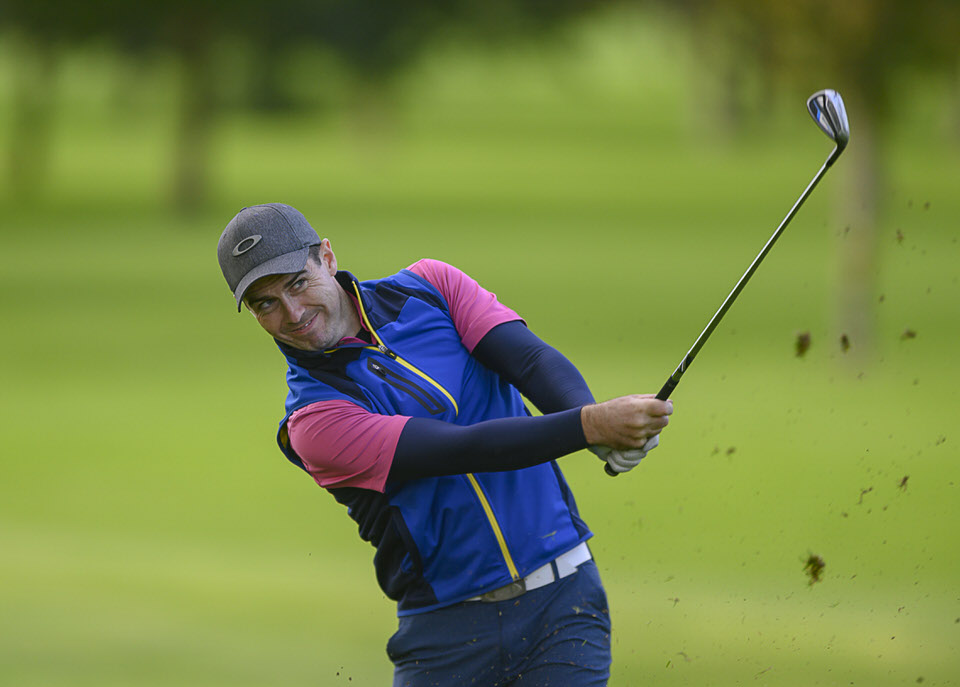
[(262, 240)]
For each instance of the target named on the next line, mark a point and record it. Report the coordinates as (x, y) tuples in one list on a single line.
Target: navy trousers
[(556, 635)]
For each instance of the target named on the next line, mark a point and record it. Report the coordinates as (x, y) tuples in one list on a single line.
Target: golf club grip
[(667, 389), (662, 395)]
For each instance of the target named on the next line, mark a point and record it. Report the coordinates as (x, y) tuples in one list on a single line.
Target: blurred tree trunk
[(718, 88), (372, 111), (860, 192), (955, 120), (265, 78), (192, 144), (28, 156)]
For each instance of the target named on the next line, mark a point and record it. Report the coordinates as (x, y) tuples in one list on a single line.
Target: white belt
[(565, 564)]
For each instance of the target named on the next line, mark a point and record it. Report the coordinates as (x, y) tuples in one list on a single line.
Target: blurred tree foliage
[(869, 50), (373, 39)]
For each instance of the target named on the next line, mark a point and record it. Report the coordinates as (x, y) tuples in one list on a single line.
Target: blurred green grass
[(152, 534)]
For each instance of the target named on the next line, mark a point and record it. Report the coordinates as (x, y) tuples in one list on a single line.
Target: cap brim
[(288, 263)]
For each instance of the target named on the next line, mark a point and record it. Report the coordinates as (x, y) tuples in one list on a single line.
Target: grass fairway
[(152, 534)]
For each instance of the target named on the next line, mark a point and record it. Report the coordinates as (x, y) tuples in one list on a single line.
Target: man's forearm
[(429, 448)]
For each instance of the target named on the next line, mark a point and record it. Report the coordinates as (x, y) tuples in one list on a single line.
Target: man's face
[(307, 310)]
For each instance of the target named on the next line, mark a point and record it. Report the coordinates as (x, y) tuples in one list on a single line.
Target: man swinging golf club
[(405, 404)]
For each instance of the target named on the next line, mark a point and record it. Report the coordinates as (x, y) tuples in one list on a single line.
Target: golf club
[(826, 108)]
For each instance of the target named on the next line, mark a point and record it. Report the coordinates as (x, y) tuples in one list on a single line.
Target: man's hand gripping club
[(623, 430)]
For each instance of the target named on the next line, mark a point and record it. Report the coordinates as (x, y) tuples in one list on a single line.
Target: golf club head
[(826, 108)]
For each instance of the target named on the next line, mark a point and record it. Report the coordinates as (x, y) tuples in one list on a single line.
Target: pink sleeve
[(343, 445), (475, 310)]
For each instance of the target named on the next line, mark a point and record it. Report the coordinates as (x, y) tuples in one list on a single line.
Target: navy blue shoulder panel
[(432, 294), (391, 296)]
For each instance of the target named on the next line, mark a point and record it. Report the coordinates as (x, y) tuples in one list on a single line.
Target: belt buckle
[(505, 593)]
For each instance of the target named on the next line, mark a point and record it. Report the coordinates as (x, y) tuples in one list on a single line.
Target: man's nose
[(293, 309)]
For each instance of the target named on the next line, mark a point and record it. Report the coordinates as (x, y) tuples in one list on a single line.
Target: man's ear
[(327, 257)]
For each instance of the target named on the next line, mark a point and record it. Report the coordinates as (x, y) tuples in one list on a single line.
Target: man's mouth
[(302, 328)]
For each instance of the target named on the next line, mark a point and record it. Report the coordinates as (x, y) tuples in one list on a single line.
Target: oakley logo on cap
[(240, 248)]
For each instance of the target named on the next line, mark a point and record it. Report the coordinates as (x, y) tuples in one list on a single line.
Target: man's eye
[(299, 284), (266, 306)]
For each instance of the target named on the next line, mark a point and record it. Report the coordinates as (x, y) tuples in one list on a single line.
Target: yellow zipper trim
[(383, 348), (496, 527)]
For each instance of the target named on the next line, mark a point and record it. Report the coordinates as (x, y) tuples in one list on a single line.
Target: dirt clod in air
[(814, 568), (899, 236), (908, 334), (802, 344), (903, 482), (844, 343)]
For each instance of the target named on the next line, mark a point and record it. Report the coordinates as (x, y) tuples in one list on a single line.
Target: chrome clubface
[(826, 108)]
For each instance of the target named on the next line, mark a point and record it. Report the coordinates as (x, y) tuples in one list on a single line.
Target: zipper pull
[(376, 367), (386, 351)]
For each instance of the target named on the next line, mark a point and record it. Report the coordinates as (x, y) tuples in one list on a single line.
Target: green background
[(152, 534)]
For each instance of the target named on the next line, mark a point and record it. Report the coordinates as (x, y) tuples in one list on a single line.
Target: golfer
[(406, 403)]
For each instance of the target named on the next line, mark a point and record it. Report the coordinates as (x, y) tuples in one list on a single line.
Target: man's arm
[(429, 448), (342, 444), (499, 339), (552, 382), (540, 372), (571, 420)]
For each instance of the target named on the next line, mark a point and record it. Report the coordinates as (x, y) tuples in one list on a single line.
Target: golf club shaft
[(674, 379)]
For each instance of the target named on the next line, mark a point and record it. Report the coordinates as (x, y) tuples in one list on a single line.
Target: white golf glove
[(624, 460)]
